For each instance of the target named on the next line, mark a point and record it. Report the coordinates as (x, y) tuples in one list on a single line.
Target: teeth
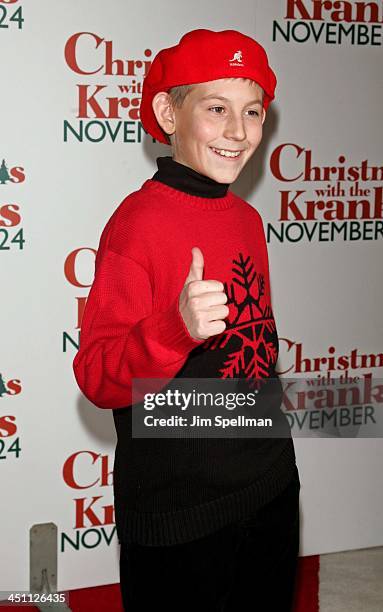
[(225, 153)]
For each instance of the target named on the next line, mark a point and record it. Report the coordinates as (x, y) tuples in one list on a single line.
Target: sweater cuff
[(173, 331)]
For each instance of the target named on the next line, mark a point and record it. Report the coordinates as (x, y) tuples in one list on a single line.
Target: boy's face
[(224, 114)]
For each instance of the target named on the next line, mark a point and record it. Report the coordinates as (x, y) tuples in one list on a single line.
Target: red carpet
[(307, 585), (107, 598)]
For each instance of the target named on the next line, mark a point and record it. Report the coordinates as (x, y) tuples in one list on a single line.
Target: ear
[(263, 115), (164, 112)]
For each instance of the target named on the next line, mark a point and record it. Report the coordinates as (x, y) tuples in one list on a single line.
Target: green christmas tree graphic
[(4, 174), (3, 388)]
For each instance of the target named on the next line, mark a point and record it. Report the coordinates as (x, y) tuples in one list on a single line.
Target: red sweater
[(132, 328)]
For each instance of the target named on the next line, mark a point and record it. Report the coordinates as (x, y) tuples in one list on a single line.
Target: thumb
[(196, 268)]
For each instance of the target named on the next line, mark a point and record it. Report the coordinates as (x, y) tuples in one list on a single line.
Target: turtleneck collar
[(187, 179)]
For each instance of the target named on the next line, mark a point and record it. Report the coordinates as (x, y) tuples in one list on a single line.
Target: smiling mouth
[(227, 154)]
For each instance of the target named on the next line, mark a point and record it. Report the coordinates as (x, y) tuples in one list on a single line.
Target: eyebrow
[(257, 101)]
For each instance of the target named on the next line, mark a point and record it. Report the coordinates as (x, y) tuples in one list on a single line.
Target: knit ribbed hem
[(186, 525), (173, 331), (203, 203)]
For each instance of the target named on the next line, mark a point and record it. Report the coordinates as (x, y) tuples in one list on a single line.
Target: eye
[(254, 111), (215, 107)]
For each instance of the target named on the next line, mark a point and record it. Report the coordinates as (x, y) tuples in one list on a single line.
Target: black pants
[(249, 565)]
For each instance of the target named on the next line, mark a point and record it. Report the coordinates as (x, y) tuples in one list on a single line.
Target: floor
[(351, 581)]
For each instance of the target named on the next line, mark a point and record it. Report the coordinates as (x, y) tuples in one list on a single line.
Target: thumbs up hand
[(202, 302)]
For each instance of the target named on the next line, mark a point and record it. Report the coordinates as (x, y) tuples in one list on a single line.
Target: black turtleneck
[(187, 179)]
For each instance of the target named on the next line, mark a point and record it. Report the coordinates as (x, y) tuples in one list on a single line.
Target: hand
[(202, 302)]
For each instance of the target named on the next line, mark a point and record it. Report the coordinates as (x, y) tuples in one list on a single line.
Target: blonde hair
[(178, 94)]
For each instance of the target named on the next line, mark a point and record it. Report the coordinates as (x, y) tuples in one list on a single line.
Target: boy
[(182, 289)]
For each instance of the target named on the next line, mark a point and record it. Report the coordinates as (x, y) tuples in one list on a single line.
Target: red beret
[(204, 55)]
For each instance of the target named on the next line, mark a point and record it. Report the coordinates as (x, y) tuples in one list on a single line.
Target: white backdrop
[(57, 449)]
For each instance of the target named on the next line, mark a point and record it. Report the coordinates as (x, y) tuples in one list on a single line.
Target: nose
[(234, 127)]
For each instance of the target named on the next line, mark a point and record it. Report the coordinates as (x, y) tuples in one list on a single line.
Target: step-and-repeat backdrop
[(72, 147)]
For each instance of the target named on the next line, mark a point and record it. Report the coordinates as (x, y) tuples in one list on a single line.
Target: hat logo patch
[(236, 60)]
